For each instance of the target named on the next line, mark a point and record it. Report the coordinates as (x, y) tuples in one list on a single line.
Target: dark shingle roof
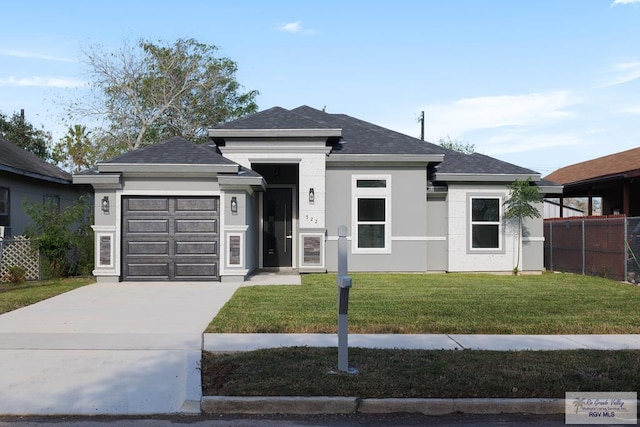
[(360, 137), (174, 151), (455, 162), (17, 160)]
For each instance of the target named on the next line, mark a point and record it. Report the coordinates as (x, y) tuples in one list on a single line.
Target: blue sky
[(541, 84)]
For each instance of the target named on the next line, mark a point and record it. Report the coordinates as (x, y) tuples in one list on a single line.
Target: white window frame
[(471, 222), (370, 193)]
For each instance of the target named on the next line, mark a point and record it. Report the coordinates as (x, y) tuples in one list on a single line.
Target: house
[(26, 177), (272, 188), (553, 209), (613, 178)]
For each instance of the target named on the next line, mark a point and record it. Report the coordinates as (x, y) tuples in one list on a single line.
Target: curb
[(350, 405), (278, 405)]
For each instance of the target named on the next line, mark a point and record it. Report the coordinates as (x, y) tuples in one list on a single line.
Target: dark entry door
[(278, 227)]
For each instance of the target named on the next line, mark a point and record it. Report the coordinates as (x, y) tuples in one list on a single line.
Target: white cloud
[(34, 55), (631, 110), (492, 112), (295, 28), (292, 27), (615, 2), (623, 73), (519, 142), (36, 81)]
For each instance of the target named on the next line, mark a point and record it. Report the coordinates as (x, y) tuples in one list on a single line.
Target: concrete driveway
[(126, 348)]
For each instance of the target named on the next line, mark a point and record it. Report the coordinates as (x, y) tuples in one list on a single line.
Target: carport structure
[(614, 178)]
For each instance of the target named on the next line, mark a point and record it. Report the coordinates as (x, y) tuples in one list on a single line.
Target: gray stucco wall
[(437, 232), (533, 244), (253, 236), (408, 218), (23, 188)]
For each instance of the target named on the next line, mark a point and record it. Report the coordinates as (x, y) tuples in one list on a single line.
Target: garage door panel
[(170, 238), (191, 270), (146, 205), (148, 248), (196, 226), (196, 204), (147, 226), (142, 271), (196, 248)]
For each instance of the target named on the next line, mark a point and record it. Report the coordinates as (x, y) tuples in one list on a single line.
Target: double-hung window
[(371, 218), (486, 223)]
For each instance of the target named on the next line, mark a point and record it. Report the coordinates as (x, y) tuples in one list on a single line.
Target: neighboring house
[(272, 189), (613, 178), (553, 208), (24, 176)]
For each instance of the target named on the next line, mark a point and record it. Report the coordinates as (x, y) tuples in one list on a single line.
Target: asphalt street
[(387, 420)]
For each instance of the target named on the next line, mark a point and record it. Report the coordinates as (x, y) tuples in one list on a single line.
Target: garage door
[(170, 238)]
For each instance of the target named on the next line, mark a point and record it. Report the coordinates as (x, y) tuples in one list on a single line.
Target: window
[(51, 201), (371, 214), (4, 201), (486, 225), (4, 206)]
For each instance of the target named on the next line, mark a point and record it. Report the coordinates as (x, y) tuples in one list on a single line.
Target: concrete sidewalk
[(126, 348), (246, 342)]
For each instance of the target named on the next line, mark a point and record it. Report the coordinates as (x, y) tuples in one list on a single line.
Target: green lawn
[(13, 296), (304, 371), (439, 303)]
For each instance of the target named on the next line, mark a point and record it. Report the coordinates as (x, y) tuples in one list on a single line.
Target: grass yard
[(438, 303), (303, 371), (14, 296)]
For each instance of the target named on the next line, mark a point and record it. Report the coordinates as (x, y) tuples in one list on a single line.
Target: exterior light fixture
[(105, 204), (234, 206), (312, 196)]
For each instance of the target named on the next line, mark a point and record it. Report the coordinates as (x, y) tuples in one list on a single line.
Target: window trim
[(371, 193), (470, 223)]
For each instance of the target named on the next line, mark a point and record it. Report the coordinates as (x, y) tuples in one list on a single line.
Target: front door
[(278, 227)]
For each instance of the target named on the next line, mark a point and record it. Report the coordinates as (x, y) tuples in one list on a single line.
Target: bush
[(15, 274), (63, 238)]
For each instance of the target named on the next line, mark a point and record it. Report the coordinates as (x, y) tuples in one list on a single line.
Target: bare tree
[(153, 91)]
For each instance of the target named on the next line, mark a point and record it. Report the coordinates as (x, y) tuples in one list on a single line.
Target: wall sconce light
[(105, 204), (312, 196), (234, 206)]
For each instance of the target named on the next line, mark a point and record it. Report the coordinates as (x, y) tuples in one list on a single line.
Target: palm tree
[(521, 204)]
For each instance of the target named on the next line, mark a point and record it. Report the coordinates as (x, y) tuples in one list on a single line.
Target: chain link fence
[(18, 252), (596, 246)]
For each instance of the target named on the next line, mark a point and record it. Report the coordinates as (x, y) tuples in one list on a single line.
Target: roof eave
[(404, 159), (35, 175), (229, 182), (551, 189), (103, 181), (484, 177), (274, 133), (167, 168)]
